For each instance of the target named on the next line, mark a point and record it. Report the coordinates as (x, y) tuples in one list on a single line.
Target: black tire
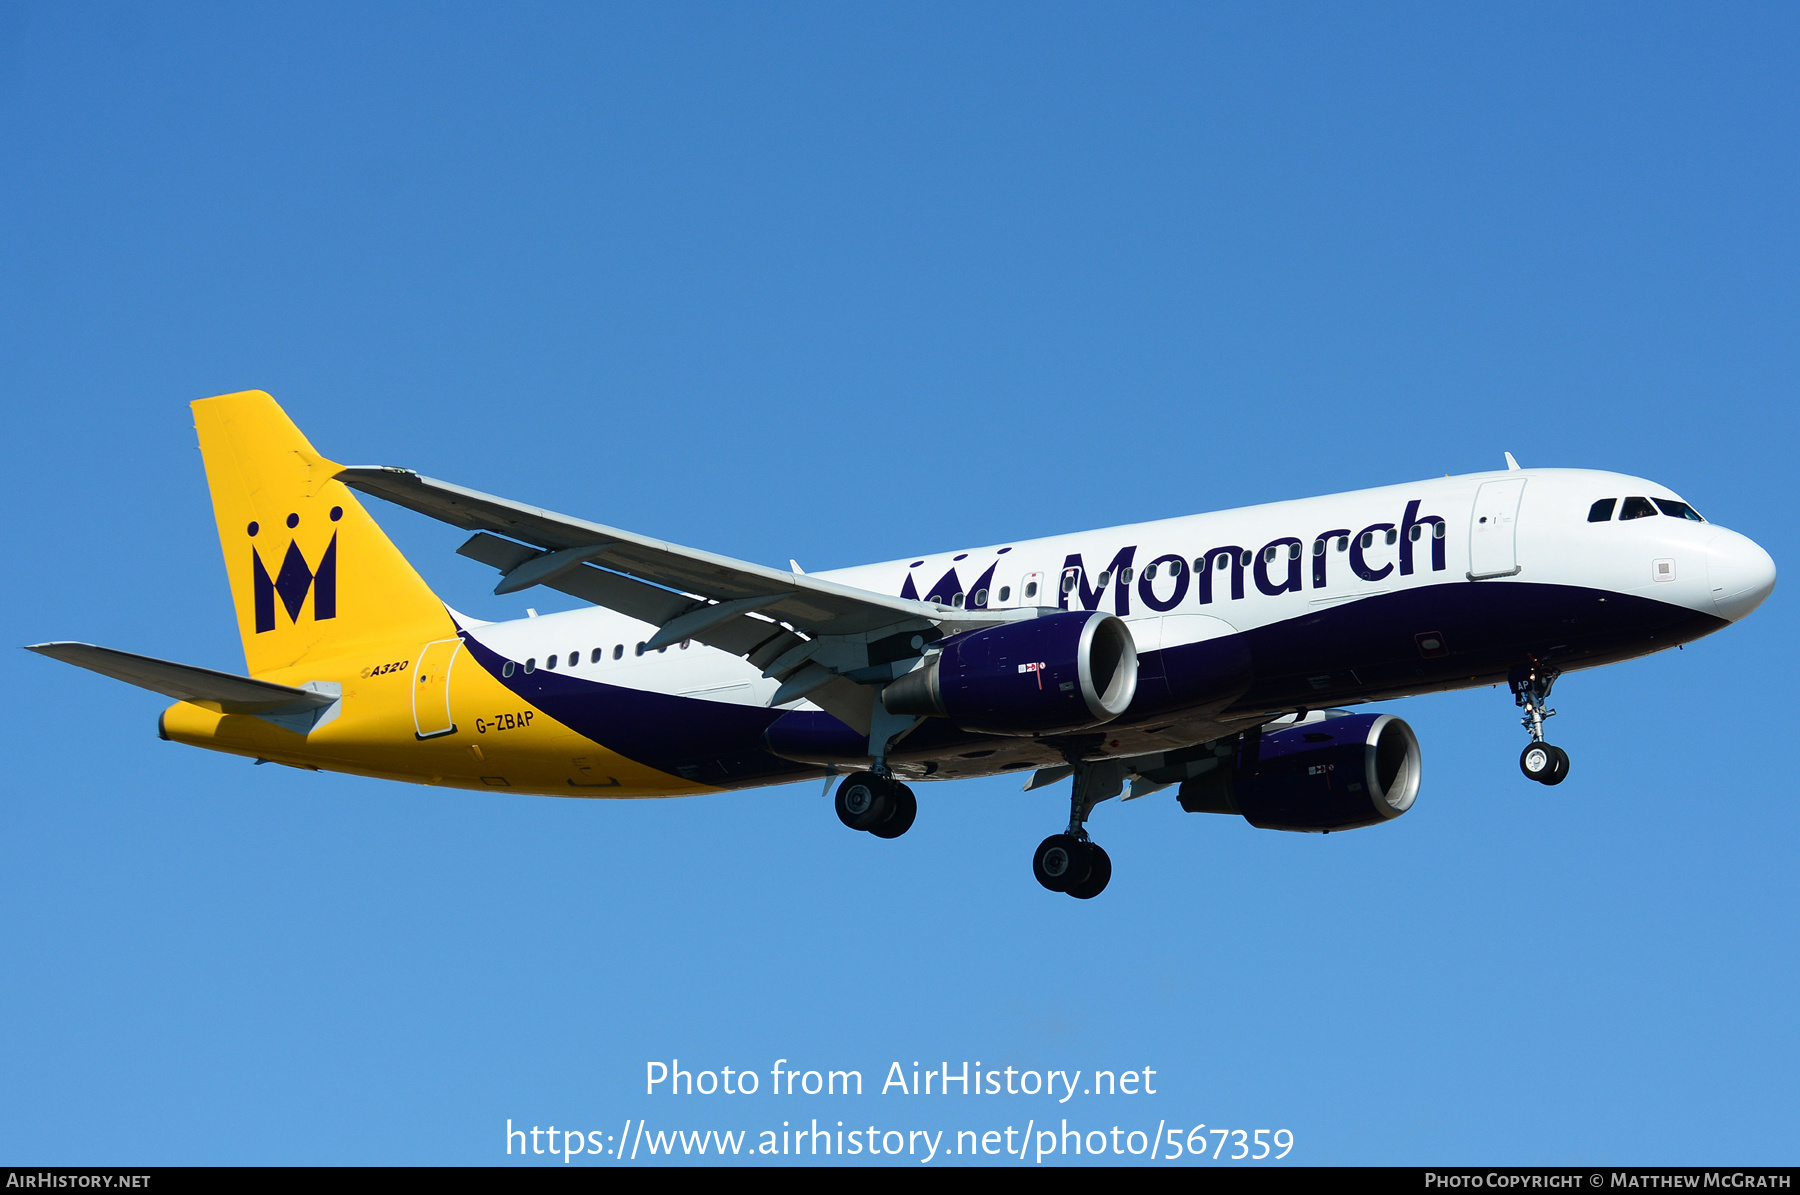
[(1099, 872), (1060, 863), (1538, 762), (900, 817), (864, 800), (1559, 770)]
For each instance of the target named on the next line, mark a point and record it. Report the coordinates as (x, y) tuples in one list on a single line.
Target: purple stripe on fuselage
[(1369, 649), (711, 742), (1376, 647)]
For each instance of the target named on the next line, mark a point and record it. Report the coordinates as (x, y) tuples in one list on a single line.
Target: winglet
[(1511, 464)]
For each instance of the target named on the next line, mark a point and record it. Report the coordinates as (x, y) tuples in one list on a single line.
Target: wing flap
[(733, 631), (811, 604), (779, 621)]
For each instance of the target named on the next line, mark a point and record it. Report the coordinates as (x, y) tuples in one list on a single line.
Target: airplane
[(1214, 653)]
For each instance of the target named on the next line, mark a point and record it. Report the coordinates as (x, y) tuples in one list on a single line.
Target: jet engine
[(1055, 673), (1334, 774)]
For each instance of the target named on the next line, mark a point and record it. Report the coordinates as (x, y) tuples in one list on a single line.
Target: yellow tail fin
[(311, 573)]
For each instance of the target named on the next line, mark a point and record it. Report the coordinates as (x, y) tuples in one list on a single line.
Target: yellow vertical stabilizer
[(312, 576)]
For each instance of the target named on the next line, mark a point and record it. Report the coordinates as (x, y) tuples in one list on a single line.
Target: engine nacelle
[(1054, 673), (1335, 774)]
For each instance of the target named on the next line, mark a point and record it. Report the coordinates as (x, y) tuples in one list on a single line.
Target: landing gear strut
[(879, 804), (1070, 862), (1539, 761)]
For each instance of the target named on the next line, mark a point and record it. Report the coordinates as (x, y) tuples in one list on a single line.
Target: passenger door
[(431, 688), (1493, 550)]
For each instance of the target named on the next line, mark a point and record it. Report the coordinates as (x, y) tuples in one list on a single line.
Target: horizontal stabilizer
[(184, 682)]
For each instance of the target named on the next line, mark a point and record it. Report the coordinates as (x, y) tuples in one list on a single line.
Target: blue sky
[(844, 284)]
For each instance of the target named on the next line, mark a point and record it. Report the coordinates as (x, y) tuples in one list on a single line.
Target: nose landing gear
[(1544, 763), (1070, 862), (1539, 761)]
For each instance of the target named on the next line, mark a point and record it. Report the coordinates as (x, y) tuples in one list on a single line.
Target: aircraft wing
[(808, 630), (231, 693)]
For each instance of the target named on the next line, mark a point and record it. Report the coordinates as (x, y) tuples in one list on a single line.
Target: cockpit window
[(1679, 510), (1601, 511), (1636, 508)]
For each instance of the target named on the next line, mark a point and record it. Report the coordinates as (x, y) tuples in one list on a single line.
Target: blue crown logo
[(295, 580)]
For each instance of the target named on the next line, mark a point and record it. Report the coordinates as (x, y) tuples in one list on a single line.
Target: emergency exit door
[(1031, 590)]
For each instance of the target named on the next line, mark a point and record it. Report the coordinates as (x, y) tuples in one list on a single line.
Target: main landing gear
[(1070, 862), (1539, 761), (879, 804)]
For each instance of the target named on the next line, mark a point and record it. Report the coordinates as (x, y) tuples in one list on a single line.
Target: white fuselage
[(1539, 534)]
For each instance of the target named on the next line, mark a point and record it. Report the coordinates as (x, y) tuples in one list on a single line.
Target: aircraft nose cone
[(1740, 572)]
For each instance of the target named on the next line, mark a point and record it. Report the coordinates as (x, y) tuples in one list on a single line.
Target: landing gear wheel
[(1099, 872), (900, 818), (1543, 763), (864, 800), (1061, 862)]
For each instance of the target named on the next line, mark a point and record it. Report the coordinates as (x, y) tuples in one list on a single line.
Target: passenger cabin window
[(531, 666), (1601, 511), (574, 658), (550, 661), (1031, 589), (618, 651), (1679, 510), (1636, 508), (595, 658), (1005, 592)]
